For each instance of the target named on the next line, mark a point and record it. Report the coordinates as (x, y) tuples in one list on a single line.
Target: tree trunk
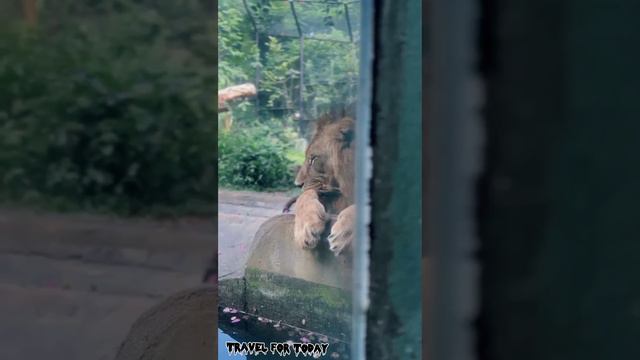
[(234, 92)]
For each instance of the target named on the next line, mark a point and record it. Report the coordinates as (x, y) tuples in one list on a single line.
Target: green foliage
[(281, 74), (109, 111), (331, 74), (258, 155), (237, 50), (254, 159), (330, 67), (296, 156)]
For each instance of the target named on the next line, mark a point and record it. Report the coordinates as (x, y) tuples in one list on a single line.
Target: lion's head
[(329, 156)]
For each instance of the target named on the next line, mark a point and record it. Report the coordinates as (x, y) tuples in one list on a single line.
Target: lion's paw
[(343, 231), (310, 221)]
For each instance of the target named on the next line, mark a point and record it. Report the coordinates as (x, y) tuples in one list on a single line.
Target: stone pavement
[(240, 216)]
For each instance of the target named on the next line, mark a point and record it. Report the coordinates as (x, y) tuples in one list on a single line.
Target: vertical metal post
[(301, 103), (301, 36), (253, 21), (346, 14), (258, 73), (363, 177), (257, 33), (394, 317), (295, 17)]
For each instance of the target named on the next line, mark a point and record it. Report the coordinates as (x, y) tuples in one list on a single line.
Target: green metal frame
[(388, 297)]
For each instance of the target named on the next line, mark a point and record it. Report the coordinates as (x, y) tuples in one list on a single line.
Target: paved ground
[(72, 285), (240, 216)]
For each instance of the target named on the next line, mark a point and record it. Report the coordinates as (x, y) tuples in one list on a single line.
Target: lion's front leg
[(310, 221), (343, 230)]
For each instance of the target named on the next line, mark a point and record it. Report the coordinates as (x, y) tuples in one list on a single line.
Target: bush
[(251, 158), (94, 118)]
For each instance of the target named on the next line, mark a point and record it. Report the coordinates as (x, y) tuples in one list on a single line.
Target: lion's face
[(330, 154), (314, 167)]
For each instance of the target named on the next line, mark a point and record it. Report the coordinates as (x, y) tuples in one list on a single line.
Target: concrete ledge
[(305, 288), (274, 251)]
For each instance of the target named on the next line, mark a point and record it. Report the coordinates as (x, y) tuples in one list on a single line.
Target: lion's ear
[(321, 122), (348, 134)]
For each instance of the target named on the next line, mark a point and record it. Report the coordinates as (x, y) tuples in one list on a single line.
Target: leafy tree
[(237, 49)]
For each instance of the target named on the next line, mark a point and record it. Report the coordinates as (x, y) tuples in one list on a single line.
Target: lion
[(328, 169), (312, 217)]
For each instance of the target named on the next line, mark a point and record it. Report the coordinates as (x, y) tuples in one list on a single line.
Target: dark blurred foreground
[(109, 106), (534, 230), (72, 285), (106, 107)]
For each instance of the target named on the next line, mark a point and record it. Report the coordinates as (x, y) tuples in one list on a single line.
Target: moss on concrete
[(316, 307)]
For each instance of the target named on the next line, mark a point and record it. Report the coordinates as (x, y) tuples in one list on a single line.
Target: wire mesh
[(316, 20), (305, 58)]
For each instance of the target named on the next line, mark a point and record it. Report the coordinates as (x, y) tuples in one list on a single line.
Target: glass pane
[(288, 83)]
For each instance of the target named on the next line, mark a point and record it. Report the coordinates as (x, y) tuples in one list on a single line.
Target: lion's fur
[(328, 168), (342, 230), (332, 147), (309, 228), (317, 182)]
